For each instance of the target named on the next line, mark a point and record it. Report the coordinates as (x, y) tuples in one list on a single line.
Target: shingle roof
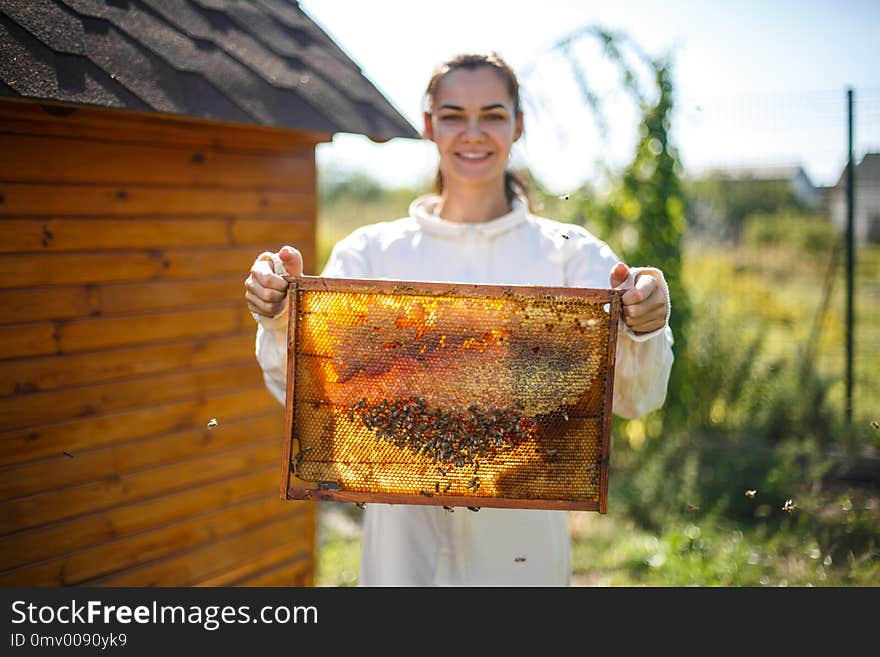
[(250, 61), (867, 172)]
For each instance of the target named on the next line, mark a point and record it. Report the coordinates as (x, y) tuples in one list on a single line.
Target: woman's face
[(474, 125)]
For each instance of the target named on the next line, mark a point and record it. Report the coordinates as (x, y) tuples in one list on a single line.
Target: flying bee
[(519, 559), (68, 454), (751, 493), (565, 197), (789, 506), (449, 508), (360, 505), (875, 424), (212, 423)]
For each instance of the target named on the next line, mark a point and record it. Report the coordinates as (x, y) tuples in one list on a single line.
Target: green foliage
[(650, 205), (643, 216), (335, 185), (811, 234), (721, 204)]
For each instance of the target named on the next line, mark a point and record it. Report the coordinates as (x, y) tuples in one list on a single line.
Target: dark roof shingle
[(259, 61)]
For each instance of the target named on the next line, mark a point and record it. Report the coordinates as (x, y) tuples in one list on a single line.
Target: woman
[(477, 228)]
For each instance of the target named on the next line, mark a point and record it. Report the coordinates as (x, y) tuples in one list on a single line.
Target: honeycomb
[(461, 395)]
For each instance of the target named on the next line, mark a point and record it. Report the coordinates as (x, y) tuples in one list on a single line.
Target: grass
[(780, 549)]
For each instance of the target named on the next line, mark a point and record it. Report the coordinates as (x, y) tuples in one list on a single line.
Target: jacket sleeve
[(643, 361), (347, 260)]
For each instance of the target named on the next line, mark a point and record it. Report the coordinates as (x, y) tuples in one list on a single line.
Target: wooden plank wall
[(125, 239)]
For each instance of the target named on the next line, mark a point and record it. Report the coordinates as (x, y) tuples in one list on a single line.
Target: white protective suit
[(415, 545)]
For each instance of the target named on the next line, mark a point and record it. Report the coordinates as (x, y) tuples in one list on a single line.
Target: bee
[(751, 493), (564, 236), (565, 416), (212, 423), (436, 487), (519, 559), (360, 505), (426, 493), (68, 454), (441, 471), (448, 486), (789, 506), (473, 508), (875, 424), (692, 507), (449, 508), (565, 197)]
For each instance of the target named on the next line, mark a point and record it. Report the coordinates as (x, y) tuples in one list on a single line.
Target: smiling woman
[(473, 116), (476, 229)]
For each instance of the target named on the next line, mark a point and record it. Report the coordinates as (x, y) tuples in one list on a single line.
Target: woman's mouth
[(474, 157)]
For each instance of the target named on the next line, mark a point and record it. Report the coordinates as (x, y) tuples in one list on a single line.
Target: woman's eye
[(450, 117)]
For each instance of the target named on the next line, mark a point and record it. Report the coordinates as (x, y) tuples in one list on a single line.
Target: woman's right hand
[(265, 287)]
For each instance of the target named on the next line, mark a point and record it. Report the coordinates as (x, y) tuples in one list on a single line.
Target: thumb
[(619, 274), (292, 260)]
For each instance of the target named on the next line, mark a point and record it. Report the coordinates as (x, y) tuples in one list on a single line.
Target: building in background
[(724, 199), (866, 200)]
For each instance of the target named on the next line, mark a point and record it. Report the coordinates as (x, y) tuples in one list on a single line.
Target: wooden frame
[(330, 491)]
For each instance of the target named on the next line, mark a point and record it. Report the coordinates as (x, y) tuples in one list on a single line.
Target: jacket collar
[(423, 211)]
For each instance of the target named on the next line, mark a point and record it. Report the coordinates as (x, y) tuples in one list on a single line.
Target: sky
[(756, 83)]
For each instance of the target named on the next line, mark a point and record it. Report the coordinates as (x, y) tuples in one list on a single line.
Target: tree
[(644, 214)]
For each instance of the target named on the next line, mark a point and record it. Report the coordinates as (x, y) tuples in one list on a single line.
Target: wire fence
[(774, 225)]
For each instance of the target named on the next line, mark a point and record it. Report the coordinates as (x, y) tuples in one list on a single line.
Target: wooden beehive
[(449, 394)]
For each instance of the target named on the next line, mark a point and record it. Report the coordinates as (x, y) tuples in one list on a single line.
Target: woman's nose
[(472, 130)]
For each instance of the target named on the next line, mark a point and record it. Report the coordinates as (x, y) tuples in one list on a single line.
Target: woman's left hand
[(644, 305)]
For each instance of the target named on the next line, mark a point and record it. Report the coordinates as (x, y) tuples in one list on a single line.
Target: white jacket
[(415, 545)]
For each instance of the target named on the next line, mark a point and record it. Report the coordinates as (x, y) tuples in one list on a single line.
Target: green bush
[(812, 234), (759, 423)]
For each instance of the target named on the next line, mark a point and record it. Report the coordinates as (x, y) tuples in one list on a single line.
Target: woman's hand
[(265, 287), (644, 305)]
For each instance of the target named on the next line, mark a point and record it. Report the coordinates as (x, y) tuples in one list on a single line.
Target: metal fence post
[(850, 256)]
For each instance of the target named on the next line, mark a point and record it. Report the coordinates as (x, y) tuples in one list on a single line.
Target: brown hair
[(515, 184)]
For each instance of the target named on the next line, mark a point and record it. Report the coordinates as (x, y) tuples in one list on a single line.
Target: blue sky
[(757, 83)]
